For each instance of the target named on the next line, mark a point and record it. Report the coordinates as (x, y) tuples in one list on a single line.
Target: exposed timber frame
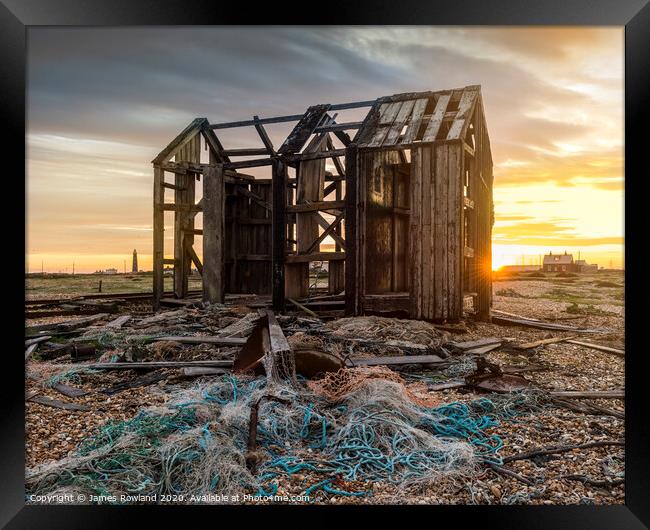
[(404, 195)]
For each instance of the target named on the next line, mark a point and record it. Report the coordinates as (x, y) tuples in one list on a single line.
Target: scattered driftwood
[(537, 324), (70, 391), (500, 470), (590, 394), (118, 322), (198, 339), (588, 408), (196, 371), (37, 340), (615, 351), (452, 328), (153, 365), (397, 360), (543, 451), (474, 344), (530, 345), (242, 327), (302, 307), (55, 403), (68, 325), (145, 380), (596, 483), (30, 349), (446, 385)]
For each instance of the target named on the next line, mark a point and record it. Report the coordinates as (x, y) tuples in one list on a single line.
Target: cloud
[(102, 102)]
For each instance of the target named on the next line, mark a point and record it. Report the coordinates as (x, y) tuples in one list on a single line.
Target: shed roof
[(558, 259)]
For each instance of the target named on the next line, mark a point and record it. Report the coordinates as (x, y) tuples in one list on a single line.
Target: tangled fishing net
[(377, 429), (392, 330), (335, 386)]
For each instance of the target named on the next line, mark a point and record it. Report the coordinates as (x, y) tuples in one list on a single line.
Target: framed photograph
[(380, 261)]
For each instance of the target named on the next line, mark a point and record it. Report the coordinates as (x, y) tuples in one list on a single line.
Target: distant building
[(134, 268), (110, 271), (558, 262), (565, 263), (519, 268), (583, 266)]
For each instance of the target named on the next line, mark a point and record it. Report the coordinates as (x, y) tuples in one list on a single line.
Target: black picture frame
[(16, 16)]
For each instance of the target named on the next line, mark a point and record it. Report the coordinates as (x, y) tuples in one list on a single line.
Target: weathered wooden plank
[(440, 234), (279, 232), (395, 130), (315, 256), (398, 360), (454, 230), (615, 351), (326, 232), (415, 234), (55, 403), (155, 365), (416, 120), (303, 129), (316, 206), (340, 242), (263, 135), (351, 234), (252, 151), (427, 233), (535, 344), (158, 234), (471, 344), (387, 114), (180, 141), (436, 119), (213, 235), (198, 339), (118, 322), (589, 394), (465, 108)]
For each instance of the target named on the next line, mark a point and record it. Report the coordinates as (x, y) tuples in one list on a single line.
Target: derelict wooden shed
[(410, 207)]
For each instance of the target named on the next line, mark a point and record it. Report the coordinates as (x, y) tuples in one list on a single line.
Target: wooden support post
[(351, 241), (279, 231), (158, 235), (213, 234), (179, 216)]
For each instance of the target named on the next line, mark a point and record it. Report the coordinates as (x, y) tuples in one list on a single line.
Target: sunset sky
[(103, 102)]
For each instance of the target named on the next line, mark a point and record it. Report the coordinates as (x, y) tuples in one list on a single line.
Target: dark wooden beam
[(254, 151), (293, 117), (279, 231), (351, 172), (180, 141), (316, 206), (328, 231), (213, 234), (263, 136)]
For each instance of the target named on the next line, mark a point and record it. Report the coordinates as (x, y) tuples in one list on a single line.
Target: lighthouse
[(135, 261)]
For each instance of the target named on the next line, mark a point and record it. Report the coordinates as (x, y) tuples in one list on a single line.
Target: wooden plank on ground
[(154, 365), (615, 351), (530, 345), (398, 360), (468, 345), (55, 403), (118, 322), (590, 394), (197, 339)]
